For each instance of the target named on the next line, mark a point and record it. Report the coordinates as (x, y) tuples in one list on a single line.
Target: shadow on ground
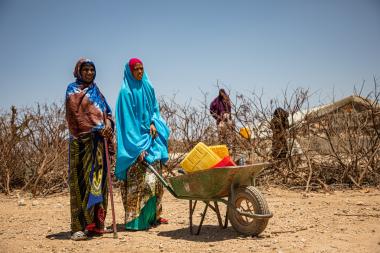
[(59, 236), (67, 234), (208, 233)]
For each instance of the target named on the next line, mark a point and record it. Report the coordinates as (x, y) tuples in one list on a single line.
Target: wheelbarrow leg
[(191, 212), (216, 209), (202, 219), (226, 219), (218, 214)]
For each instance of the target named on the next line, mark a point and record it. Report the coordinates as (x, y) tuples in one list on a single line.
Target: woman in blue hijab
[(142, 135)]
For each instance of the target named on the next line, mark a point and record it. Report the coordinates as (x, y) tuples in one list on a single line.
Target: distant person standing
[(89, 120), (280, 127), (220, 109)]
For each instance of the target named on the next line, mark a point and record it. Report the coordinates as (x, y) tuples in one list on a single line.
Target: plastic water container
[(200, 157), (220, 150), (245, 132), (225, 162)]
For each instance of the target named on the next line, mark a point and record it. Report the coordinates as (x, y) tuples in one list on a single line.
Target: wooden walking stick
[(110, 189)]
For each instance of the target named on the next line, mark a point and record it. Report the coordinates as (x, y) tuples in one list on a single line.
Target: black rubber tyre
[(248, 199)]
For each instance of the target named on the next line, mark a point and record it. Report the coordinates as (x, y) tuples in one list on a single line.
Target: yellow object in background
[(220, 150), (200, 157), (245, 132)]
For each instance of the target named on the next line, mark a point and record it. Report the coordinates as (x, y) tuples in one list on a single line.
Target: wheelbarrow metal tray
[(214, 183)]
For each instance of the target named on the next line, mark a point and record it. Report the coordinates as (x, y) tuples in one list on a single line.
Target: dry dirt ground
[(340, 221)]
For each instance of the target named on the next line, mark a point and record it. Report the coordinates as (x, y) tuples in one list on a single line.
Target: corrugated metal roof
[(319, 111)]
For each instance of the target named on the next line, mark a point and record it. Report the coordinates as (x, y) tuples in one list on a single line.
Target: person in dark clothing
[(279, 126), (220, 109)]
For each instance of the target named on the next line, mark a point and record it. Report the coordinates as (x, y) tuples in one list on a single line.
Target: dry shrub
[(340, 147), (34, 144)]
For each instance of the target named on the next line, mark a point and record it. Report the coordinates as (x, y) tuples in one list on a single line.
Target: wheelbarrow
[(233, 186)]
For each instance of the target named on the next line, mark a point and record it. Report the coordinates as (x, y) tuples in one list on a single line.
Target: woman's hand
[(153, 131), (141, 156), (106, 132)]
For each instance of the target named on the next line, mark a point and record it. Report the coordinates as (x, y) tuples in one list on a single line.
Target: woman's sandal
[(91, 229), (99, 231), (79, 236), (162, 221)]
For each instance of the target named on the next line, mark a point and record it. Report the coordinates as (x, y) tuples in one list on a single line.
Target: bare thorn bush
[(333, 145)]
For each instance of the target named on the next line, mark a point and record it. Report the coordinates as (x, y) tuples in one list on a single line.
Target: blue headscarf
[(136, 109)]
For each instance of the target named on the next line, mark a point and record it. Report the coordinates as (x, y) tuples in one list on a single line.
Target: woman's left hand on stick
[(142, 156), (107, 130)]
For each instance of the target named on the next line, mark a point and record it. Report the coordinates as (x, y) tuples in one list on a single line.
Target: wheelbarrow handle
[(163, 181)]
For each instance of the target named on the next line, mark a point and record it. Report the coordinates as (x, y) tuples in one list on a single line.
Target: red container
[(225, 162)]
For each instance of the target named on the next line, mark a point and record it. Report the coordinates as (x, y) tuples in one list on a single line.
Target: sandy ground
[(342, 221)]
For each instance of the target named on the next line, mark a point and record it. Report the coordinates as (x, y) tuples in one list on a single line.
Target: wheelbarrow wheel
[(248, 199)]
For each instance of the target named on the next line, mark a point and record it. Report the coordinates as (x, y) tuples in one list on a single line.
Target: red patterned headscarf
[(79, 65), (133, 62)]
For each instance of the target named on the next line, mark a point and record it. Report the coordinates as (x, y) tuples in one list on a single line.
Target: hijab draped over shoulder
[(86, 107), (136, 109)]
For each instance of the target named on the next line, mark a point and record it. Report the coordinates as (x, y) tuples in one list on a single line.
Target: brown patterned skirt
[(87, 182), (142, 195)]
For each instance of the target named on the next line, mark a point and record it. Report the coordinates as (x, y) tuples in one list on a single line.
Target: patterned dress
[(86, 158), (142, 195)]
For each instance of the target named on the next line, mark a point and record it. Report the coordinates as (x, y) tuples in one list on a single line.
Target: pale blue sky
[(327, 46)]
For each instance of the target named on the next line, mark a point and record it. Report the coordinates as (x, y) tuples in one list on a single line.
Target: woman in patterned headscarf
[(142, 135), (89, 121)]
